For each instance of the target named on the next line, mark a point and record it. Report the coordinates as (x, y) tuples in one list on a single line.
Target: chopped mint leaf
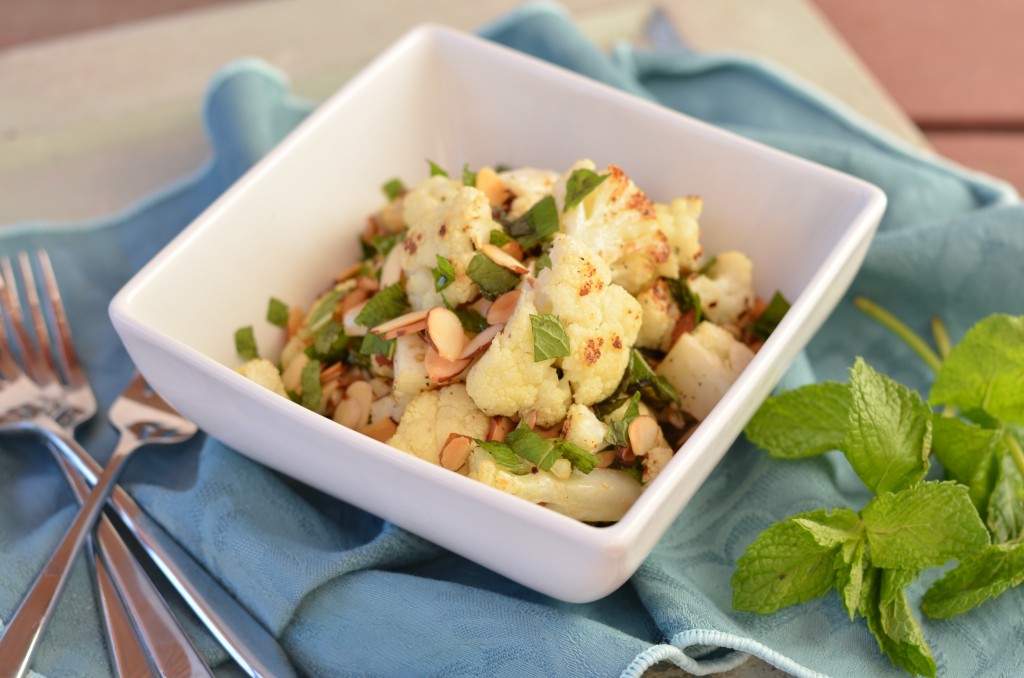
[(504, 456), (311, 390), (549, 339), (580, 184), (468, 176), (472, 321), (967, 452), (981, 577), (1004, 514), (374, 344), (803, 422), (710, 264), (543, 261), (393, 189), (985, 370), (444, 273), (579, 458), (277, 312), (889, 435), (617, 434), (686, 299), (771, 317), (538, 224), (783, 566), (323, 310), (329, 343), (387, 304), (638, 377), (500, 238), (436, 170), (532, 447), (245, 343), (492, 279), (924, 526), (380, 245)]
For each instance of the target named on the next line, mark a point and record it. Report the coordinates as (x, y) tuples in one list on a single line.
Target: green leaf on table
[(832, 529), (277, 312), (549, 338), (311, 389), (803, 422), (444, 273), (981, 577), (884, 605), (967, 452), (245, 343), (492, 279), (539, 223), (850, 566), (436, 170), (392, 189), (1004, 513), (783, 566), (924, 526), (580, 184), (888, 438), (770, 317), (985, 371)]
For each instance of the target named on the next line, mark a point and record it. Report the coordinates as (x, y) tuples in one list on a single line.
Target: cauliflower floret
[(410, 369), (601, 319), (678, 221), (603, 495), (654, 461), (583, 428), (660, 315), (506, 380), (527, 185), (264, 373), (617, 221), (432, 416), (445, 219), (702, 365), (727, 290)]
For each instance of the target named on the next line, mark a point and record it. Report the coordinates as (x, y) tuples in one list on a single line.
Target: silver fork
[(55, 370)]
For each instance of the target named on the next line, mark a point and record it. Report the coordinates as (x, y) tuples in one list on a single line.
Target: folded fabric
[(349, 594)]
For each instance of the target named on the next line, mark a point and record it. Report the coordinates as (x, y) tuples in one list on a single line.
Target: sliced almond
[(480, 342), (382, 429), (391, 269), (445, 333), (348, 321), (354, 298), (295, 318), (441, 370), (499, 427), (513, 249), (488, 181), (503, 259), (354, 409), (502, 307), (349, 272), (643, 434), (365, 282), (402, 320), (455, 452), (552, 432), (418, 326), (605, 458), (481, 305), (331, 373), (531, 418)]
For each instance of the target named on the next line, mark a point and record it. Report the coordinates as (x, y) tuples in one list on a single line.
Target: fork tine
[(64, 348), (42, 347), (13, 342)]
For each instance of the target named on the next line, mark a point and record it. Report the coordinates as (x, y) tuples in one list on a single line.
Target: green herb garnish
[(444, 273), (245, 343), (436, 170), (580, 184), (771, 317), (380, 245), (472, 321), (387, 304), (277, 312), (468, 176), (538, 224), (500, 238), (686, 299), (549, 338), (492, 279), (618, 431), (393, 189), (311, 389), (505, 457)]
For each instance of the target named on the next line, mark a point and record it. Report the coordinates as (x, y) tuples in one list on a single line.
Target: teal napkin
[(349, 594)]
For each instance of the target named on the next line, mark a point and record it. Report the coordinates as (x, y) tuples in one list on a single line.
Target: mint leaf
[(499, 238), (379, 246), (770, 317), (640, 378), (1005, 511), (549, 339), (580, 184), (468, 176), (686, 299), (783, 566), (617, 434), (505, 457), (890, 619), (311, 389), (322, 311), (472, 321), (444, 273), (967, 452), (539, 223), (924, 526), (329, 343), (981, 577), (985, 371), (245, 343), (850, 566), (531, 446), (803, 422), (492, 279), (436, 170), (832, 529), (889, 434), (387, 304), (277, 312), (579, 458), (393, 189)]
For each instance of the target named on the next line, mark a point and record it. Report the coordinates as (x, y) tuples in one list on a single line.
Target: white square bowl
[(292, 222)]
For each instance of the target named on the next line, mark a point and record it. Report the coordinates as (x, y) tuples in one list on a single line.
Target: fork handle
[(20, 638)]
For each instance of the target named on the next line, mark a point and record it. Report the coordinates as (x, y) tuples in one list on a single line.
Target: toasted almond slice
[(391, 269), (499, 427), (365, 282), (531, 418), (445, 333), (455, 451), (552, 432), (354, 409), (382, 429), (347, 413), (349, 272), (440, 370), (354, 298), (513, 249), (643, 434), (605, 458), (488, 181), (502, 307), (401, 321), (503, 259), (480, 342), (331, 373), (481, 305), (348, 321), (418, 326)]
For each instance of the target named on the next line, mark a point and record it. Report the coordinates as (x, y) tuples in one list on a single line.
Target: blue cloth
[(347, 593)]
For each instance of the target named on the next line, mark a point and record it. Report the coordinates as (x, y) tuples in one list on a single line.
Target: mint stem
[(1015, 451), (941, 336), (909, 337)]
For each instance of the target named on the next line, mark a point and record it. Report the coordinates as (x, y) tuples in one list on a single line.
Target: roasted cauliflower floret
[(601, 319), (702, 365), (264, 373), (660, 315), (432, 416), (445, 219), (727, 290), (527, 186), (583, 428), (678, 221), (507, 381), (619, 222)]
